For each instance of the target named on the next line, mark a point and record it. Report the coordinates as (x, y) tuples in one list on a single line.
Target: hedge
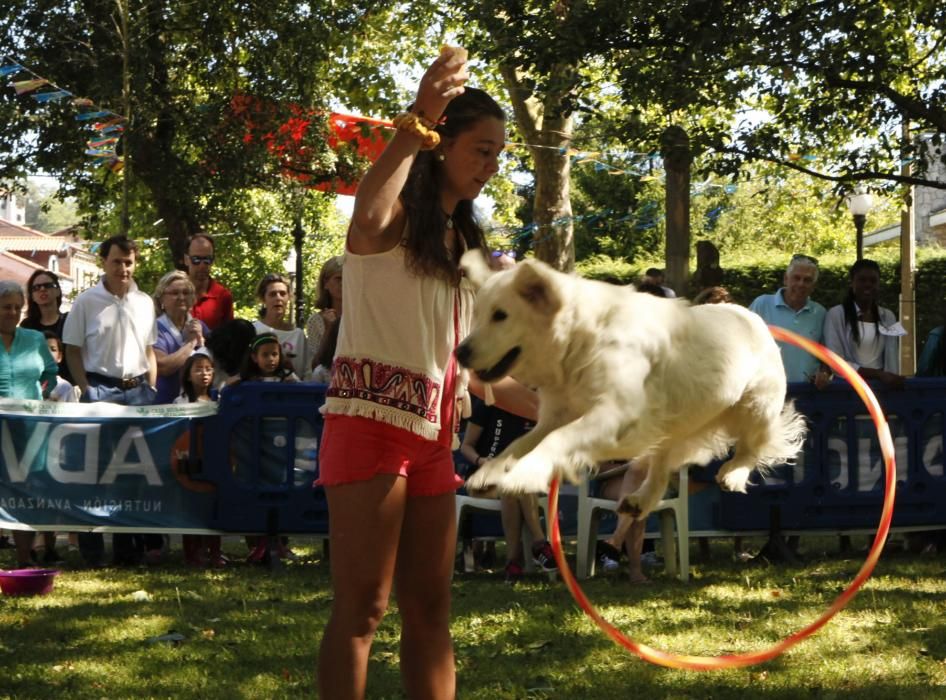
[(747, 279)]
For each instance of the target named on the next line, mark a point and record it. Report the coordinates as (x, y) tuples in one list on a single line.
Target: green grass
[(249, 633)]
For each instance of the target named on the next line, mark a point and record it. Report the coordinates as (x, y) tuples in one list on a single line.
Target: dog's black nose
[(463, 353)]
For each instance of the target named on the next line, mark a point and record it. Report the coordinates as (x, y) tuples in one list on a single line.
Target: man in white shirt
[(109, 337), (110, 333)]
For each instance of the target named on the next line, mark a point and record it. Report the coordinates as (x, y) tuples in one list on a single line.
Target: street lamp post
[(289, 265), (297, 235), (859, 204)]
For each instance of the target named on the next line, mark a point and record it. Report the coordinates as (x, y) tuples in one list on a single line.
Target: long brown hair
[(420, 196), (33, 312)]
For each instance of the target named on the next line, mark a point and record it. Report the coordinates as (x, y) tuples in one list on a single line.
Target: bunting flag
[(53, 96), (24, 86), (89, 116), (108, 125), (11, 68), (102, 142)]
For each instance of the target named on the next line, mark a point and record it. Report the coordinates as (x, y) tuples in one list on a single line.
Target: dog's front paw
[(489, 474), (532, 474), (734, 480)]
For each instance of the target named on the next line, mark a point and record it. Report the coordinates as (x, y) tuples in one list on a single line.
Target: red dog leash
[(712, 663)]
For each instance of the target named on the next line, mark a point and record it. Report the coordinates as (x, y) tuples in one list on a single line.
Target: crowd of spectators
[(119, 345)]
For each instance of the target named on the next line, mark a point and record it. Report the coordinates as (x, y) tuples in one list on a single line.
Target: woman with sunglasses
[(44, 299)]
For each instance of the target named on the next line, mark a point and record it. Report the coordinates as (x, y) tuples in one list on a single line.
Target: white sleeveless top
[(869, 352), (395, 342)]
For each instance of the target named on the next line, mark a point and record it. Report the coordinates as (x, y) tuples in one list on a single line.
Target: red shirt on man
[(215, 306)]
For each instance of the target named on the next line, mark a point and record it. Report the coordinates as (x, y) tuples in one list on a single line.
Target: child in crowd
[(197, 376), (264, 362), (64, 390), (488, 432)]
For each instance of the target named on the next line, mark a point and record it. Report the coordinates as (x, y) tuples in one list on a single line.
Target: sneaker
[(218, 561), (260, 553), (283, 552), (651, 559), (607, 556), (514, 572), (543, 556)]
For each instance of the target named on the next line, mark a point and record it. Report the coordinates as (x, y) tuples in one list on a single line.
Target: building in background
[(24, 250), (929, 211)]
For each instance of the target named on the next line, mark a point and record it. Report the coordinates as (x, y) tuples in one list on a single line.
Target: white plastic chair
[(493, 505), (670, 510)]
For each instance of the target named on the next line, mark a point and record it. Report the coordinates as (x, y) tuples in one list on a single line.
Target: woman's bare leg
[(423, 579), (364, 528)]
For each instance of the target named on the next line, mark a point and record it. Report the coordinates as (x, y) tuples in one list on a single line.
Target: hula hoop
[(712, 663)]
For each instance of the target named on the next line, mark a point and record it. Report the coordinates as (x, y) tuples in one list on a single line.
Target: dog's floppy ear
[(474, 266), (534, 282)]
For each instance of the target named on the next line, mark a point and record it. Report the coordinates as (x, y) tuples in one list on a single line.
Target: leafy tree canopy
[(176, 70)]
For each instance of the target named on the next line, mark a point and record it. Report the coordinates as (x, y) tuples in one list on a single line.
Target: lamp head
[(860, 203)]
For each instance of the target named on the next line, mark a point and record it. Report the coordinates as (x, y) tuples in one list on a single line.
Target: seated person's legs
[(628, 533)]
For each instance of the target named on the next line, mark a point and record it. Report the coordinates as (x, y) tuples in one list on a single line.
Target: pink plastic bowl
[(27, 581)]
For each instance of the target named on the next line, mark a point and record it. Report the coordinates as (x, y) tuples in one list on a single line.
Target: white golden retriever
[(623, 374)]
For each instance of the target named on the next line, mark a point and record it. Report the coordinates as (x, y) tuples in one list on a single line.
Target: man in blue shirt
[(791, 308)]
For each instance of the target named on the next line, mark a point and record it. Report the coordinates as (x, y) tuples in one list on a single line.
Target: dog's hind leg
[(734, 474), (640, 503), (761, 441)]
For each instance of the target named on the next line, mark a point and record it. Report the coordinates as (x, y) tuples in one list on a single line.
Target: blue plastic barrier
[(837, 483), (259, 457), (261, 452)]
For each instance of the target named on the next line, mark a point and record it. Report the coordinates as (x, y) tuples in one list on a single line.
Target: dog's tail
[(786, 440)]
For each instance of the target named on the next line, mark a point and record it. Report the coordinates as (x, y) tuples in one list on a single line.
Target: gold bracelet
[(413, 124)]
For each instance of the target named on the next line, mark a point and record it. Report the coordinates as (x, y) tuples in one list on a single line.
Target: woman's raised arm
[(375, 222)]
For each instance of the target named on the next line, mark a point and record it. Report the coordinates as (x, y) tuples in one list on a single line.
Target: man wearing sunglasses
[(213, 303)]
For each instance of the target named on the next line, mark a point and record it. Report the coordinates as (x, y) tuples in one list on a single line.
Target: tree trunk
[(547, 129), (553, 238), (675, 149), (155, 161)]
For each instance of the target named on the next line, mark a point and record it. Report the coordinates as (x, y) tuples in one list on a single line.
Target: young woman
[(863, 333), (385, 459), (44, 299), (273, 293), (321, 329)]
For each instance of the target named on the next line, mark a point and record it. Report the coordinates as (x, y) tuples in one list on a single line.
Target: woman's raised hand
[(442, 81)]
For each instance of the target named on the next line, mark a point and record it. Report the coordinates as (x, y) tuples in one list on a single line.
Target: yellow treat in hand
[(450, 52)]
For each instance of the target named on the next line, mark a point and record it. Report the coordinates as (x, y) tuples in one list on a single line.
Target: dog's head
[(513, 316)]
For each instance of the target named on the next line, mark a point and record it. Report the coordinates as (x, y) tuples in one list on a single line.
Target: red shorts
[(357, 449), (354, 449)]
